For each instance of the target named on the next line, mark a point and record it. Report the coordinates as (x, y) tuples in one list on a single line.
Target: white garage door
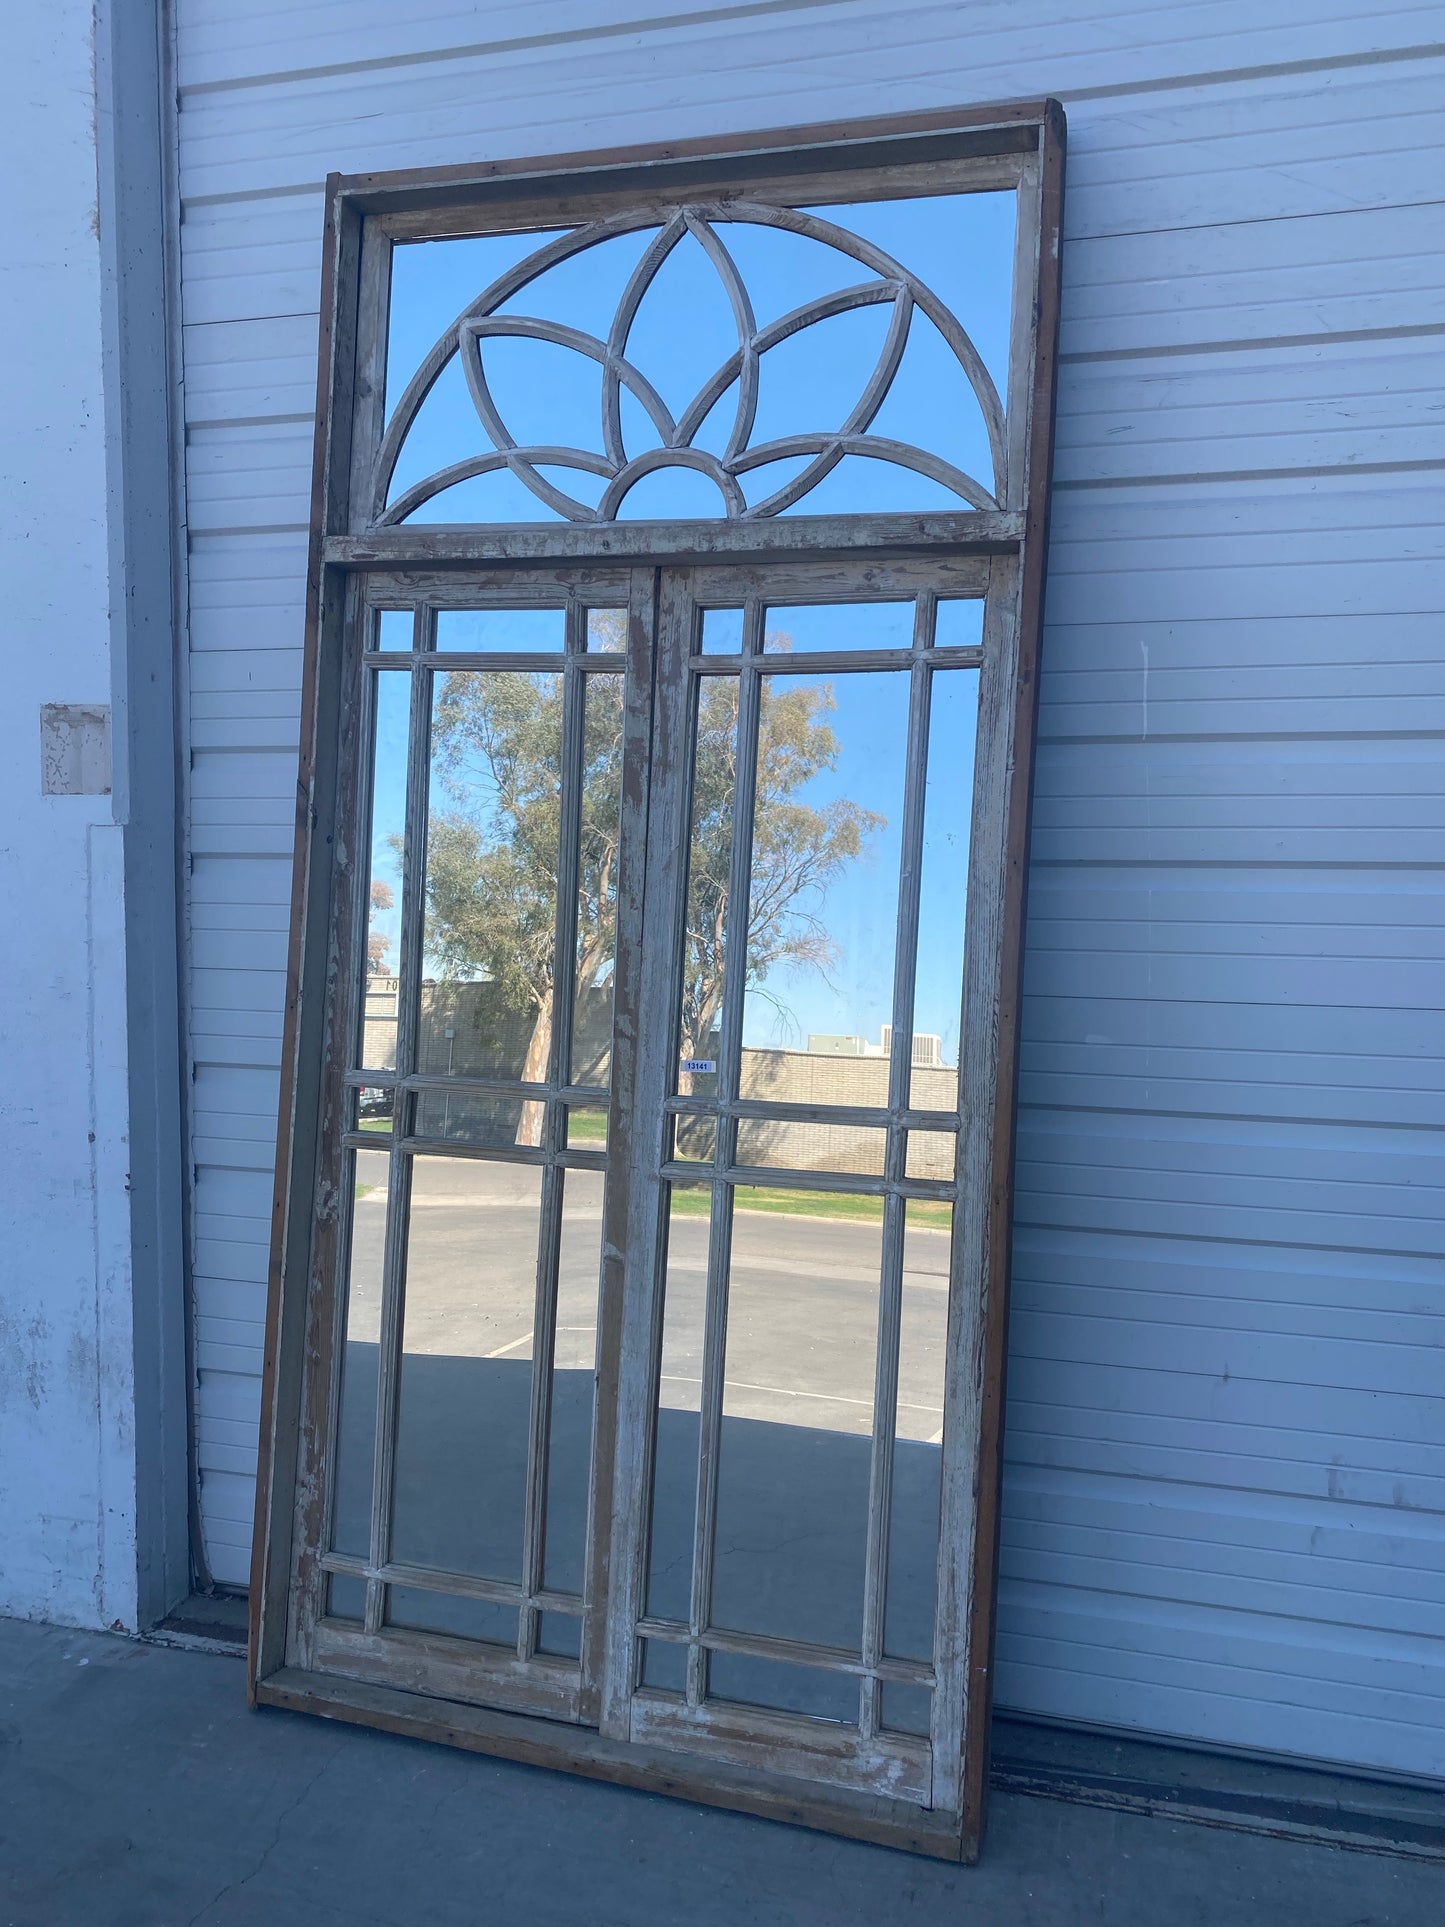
[(1225, 1512)]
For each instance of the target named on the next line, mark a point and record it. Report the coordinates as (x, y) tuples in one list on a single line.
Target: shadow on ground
[(136, 1790)]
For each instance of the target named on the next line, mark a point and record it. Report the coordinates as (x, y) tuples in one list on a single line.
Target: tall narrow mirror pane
[(598, 849), (376, 1047), (574, 1367), (679, 1402), (709, 863), (792, 1502), (918, 1439), (491, 879), (466, 1366), (823, 903), (355, 1439), (943, 893)]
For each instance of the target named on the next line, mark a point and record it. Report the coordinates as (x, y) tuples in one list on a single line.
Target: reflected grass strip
[(689, 1202)]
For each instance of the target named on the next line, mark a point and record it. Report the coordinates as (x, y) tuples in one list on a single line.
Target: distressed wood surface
[(578, 1750), (953, 533)]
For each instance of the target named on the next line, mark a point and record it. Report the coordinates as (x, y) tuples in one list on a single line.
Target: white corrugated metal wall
[(1225, 1514)]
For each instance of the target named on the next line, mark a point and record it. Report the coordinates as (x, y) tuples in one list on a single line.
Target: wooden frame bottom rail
[(569, 1749)]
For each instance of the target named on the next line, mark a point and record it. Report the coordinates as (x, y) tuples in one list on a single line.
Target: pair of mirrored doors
[(641, 1358)]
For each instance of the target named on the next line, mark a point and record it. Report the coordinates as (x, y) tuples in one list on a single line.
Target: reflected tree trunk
[(534, 1071)]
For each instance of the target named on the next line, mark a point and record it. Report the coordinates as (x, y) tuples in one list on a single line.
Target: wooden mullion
[(595, 1094), (849, 1183), (781, 1111), (735, 946), (352, 996), (842, 662), (539, 1408), (972, 1233), (900, 1075), (947, 533), (633, 1227), (398, 1204), (802, 1652), (554, 1130)]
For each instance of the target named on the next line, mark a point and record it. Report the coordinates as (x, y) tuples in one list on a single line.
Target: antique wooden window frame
[(1001, 549)]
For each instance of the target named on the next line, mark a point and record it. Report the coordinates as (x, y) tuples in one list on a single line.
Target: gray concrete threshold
[(136, 1790)]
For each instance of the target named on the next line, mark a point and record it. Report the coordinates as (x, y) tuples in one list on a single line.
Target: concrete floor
[(136, 1790)]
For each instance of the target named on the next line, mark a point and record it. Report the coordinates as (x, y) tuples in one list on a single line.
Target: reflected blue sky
[(869, 721), (961, 246)]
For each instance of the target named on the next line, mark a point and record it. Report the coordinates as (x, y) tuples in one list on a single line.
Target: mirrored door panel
[(810, 1167), (477, 1088), (704, 1228)]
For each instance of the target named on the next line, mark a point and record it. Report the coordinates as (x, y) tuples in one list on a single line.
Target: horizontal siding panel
[(211, 1045), (249, 262), (229, 1498), (241, 950), (242, 1261), (1333, 405), (714, 78), (249, 477), (231, 1299), (1328, 984), (237, 1093), (235, 885), (1224, 1677), (1313, 276), (1206, 1082), (222, 43), (1128, 1024)]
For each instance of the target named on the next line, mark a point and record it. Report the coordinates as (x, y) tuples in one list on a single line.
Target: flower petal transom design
[(888, 285)]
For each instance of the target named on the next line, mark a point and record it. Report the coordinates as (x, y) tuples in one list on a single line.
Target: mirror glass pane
[(446, 1612), (823, 905), (598, 848), (491, 880), (466, 1367), (838, 625), (606, 631), (586, 1128), (722, 632), (958, 623), (395, 629), (802, 1325), (931, 1154), (523, 631), (354, 1453), (345, 1596), (664, 1666), (943, 893), (560, 1635), (786, 1145), (695, 1138), (469, 1117), (905, 1708), (783, 1687), (889, 373), (674, 1474), (392, 711), (710, 843), (574, 1370), (918, 1437)]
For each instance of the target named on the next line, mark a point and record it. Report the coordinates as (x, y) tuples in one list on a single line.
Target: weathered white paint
[(1225, 1513), (67, 1469)]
